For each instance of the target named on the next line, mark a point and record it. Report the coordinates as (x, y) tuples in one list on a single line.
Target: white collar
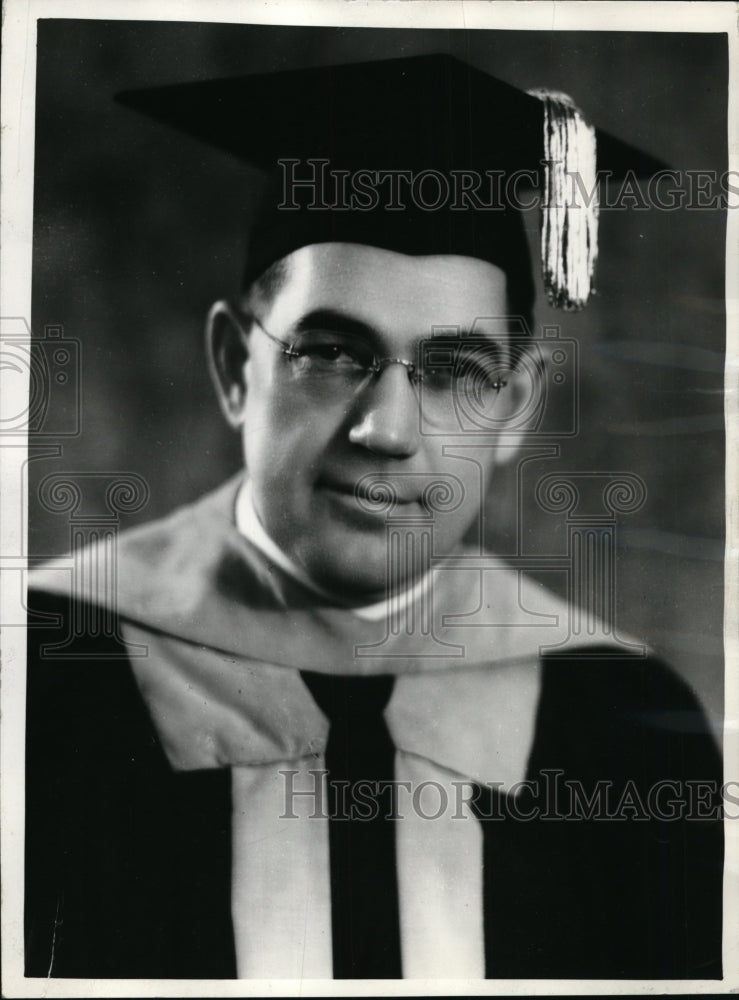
[(249, 525)]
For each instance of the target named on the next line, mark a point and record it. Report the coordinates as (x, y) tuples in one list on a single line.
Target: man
[(239, 780)]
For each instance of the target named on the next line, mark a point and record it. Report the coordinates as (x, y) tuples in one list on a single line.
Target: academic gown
[(150, 732)]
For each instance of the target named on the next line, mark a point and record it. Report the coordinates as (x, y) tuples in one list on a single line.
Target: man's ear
[(227, 351)]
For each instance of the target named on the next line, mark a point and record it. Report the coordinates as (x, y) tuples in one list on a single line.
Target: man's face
[(306, 453)]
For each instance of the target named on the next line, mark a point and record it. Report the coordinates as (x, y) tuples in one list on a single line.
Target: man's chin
[(358, 581)]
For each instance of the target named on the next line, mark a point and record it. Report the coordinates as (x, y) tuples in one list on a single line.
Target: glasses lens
[(452, 378), (322, 356), (458, 376)]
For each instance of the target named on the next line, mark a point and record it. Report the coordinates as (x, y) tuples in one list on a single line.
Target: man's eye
[(438, 378), (468, 368), (324, 352), (327, 352), (477, 373), (479, 363), (472, 372)]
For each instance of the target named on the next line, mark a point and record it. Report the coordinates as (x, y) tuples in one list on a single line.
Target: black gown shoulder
[(127, 861), (610, 862)]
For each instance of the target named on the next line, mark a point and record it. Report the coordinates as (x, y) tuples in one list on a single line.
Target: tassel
[(569, 231)]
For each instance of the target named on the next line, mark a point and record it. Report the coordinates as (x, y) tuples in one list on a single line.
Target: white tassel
[(569, 230)]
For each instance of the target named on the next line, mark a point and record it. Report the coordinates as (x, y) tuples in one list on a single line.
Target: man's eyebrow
[(335, 321)]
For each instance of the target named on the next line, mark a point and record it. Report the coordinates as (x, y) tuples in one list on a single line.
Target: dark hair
[(266, 285)]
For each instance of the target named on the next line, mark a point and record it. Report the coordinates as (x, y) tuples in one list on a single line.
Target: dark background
[(138, 229)]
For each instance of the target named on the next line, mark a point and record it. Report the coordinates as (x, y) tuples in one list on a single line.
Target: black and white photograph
[(368, 417)]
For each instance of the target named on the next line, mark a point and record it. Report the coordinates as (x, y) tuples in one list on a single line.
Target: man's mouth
[(369, 492)]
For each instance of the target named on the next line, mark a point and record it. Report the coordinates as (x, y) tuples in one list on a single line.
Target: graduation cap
[(388, 153)]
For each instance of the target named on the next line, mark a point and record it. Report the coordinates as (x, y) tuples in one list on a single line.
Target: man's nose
[(386, 417)]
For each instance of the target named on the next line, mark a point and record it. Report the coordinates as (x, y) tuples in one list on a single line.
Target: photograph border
[(18, 125)]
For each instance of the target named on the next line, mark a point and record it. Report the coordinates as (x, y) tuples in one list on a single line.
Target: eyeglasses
[(450, 373)]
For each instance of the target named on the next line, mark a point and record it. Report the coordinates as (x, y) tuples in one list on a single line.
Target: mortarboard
[(422, 155)]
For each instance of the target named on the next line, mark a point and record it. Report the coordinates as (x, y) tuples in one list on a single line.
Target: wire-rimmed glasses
[(449, 372)]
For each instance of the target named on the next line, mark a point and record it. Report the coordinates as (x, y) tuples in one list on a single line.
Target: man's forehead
[(387, 289)]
